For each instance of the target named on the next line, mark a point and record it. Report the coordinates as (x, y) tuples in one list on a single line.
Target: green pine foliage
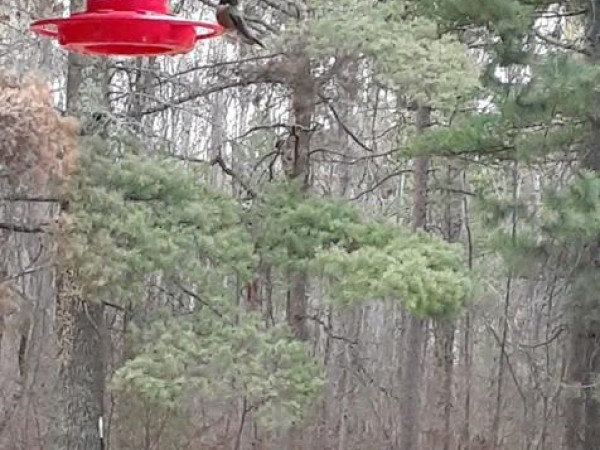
[(539, 112), (573, 215), (470, 134), (362, 260), (560, 87), (407, 50), (199, 354), (136, 218), (426, 275), (572, 226), (533, 118)]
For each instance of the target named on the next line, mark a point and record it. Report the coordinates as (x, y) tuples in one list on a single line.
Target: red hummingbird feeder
[(126, 28)]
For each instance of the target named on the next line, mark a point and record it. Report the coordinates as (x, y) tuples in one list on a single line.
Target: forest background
[(381, 232)]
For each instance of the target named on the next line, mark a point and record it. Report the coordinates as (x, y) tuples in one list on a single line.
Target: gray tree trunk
[(80, 327), (79, 322), (410, 403), (583, 409), (296, 167)]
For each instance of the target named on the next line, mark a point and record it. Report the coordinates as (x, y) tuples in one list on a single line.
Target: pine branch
[(199, 299)]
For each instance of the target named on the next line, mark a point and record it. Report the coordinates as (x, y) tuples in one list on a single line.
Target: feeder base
[(126, 33)]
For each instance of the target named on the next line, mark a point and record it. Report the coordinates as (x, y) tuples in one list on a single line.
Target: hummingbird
[(230, 17)]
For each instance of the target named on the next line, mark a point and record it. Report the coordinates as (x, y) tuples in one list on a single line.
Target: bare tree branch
[(380, 182), (24, 228), (347, 130), (19, 198), (219, 161), (564, 45)]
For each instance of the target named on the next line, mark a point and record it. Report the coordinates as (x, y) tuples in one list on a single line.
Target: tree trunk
[(296, 167), (79, 322), (496, 421), (446, 397), (583, 409), (467, 362), (445, 328), (80, 327), (410, 404)]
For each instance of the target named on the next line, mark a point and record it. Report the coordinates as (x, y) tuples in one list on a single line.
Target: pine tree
[(550, 110)]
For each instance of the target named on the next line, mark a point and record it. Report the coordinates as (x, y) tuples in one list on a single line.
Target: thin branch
[(219, 161), (199, 299), (164, 76), (562, 45), (24, 228), (329, 332), (556, 15), (511, 370), (548, 341), (371, 381), (189, 97), (346, 129), (380, 182), (351, 161), (295, 13), (20, 198), (263, 158), (205, 92), (28, 272), (455, 191), (113, 305)]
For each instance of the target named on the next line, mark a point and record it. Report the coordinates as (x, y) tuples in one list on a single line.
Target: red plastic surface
[(126, 28)]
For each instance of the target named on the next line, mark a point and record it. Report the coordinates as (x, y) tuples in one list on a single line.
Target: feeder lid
[(126, 28)]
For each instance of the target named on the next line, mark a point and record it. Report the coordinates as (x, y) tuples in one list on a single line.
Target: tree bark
[(80, 323), (495, 427), (445, 328), (410, 404), (582, 425), (296, 167), (80, 327)]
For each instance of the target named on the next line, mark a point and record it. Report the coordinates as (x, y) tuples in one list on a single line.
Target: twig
[(346, 129), (219, 161), (548, 341), (327, 329), (559, 44), (23, 228), (20, 198), (380, 182), (197, 298)]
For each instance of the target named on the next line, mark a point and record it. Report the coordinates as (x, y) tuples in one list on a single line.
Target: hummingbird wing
[(240, 25), (224, 17)]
